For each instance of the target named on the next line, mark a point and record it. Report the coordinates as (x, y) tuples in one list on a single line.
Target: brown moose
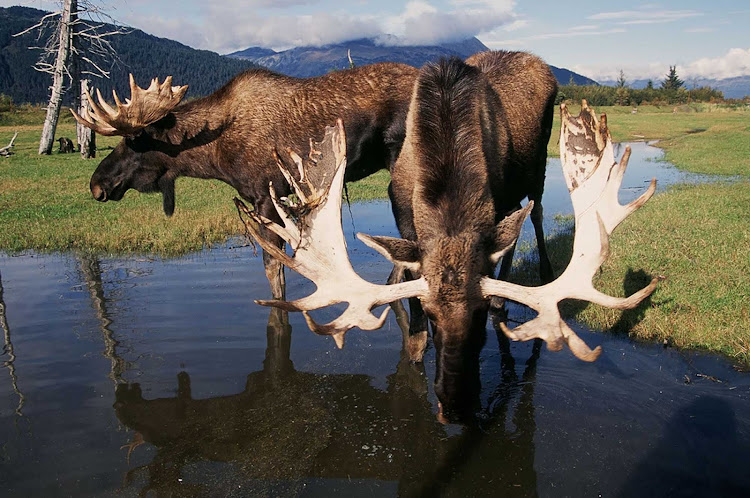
[(456, 247), (476, 146), (232, 134), (66, 145)]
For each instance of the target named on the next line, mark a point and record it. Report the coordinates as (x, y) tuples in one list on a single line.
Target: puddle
[(132, 375)]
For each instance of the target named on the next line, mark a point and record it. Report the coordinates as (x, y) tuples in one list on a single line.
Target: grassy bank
[(695, 236), (45, 205)]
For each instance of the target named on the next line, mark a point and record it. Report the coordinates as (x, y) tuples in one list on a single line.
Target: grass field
[(695, 236)]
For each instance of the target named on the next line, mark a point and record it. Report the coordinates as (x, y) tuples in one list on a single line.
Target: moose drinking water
[(460, 275)]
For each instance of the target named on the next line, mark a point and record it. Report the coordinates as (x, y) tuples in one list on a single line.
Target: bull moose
[(455, 137), (232, 135), (476, 146)]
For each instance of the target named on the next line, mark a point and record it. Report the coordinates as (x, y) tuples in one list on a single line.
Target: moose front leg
[(416, 340), (275, 274), (273, 267), (415, 332)]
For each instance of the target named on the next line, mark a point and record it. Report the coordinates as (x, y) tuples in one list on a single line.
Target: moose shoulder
[(232, 135)]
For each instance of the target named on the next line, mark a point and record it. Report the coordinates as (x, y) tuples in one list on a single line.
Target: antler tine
[(92, 119), (313, 227), (593, 178), (108, 111), (117, 98), (133, 86)]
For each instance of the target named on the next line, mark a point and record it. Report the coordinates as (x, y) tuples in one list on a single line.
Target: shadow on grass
[(560, 247)]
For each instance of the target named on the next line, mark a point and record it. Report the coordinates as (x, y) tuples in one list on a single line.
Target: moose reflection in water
[(340, 427)]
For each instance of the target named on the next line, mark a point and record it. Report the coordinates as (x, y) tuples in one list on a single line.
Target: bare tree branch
[(76, 43)]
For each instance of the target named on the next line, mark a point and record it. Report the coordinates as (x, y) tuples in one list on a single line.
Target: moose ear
[(507, 232), (398, 251), (166, 187)]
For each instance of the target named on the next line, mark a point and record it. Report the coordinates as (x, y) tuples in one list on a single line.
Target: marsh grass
[(696, 239)]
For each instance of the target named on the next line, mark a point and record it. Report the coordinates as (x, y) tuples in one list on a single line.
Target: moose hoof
[(416, 345)]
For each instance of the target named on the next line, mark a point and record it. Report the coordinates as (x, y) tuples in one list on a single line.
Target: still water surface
[(134, 375)]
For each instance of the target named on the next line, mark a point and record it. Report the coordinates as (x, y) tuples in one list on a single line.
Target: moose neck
[(452, 194), (187, 140)]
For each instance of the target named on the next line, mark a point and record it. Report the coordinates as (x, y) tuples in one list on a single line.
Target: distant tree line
[(671, 91)]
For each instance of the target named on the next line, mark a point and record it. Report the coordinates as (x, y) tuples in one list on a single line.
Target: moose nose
[(99, 193)]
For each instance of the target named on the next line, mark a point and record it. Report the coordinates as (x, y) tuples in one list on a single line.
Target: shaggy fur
[(476, 142), (231, 135)]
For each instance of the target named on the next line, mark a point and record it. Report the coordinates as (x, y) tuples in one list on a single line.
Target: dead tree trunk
[(75, 67), (86, 136), (63, 52)]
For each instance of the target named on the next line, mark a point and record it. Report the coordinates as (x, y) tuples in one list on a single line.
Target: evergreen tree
[(672, 82), (621, 79)]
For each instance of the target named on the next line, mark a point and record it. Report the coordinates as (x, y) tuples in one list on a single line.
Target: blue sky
[(594, 38)]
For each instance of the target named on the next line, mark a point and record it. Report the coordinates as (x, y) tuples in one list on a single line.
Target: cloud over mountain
[(233, 24)]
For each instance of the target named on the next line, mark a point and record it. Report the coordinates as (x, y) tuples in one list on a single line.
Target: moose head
[(140, 160)]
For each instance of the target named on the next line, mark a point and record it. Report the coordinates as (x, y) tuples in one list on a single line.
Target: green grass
[(45, 205), (694, 236)]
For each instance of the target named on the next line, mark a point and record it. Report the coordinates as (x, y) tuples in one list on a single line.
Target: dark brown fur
[(231, 135), (475, 147), (66, 145)]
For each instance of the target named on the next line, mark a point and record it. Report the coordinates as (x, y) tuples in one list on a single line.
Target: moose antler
[(312, 226), (140, 110), (593, 179)]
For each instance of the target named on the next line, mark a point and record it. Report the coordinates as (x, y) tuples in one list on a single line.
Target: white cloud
[(585, 27), (420, 23), (645, 16), (736, 62), (574, 32), (516, 25), (282, 32), (656, 71), (230, 25)]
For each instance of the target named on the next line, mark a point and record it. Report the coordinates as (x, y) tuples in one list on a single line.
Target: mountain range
[(147, 56), (314, 61)]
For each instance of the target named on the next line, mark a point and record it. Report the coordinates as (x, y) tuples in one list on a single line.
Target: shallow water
[(129, 375)]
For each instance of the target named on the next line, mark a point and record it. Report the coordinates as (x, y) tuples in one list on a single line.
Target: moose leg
[(278, 345), (537, 219), (275, 275), (274, 268), (498, 313), (416, 342)]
